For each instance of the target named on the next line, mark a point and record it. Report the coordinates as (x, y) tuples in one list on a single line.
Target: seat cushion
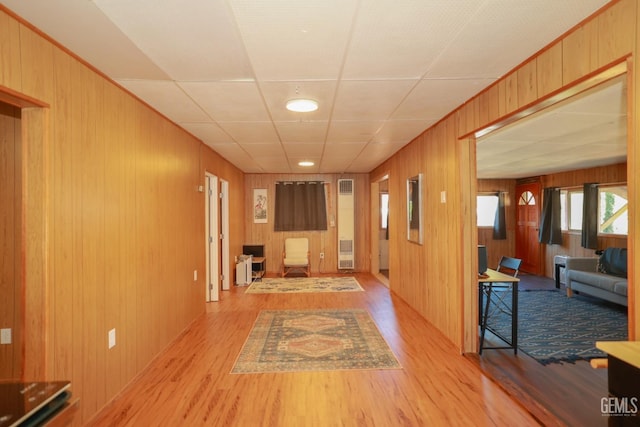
[(597, 280), (295, 261)]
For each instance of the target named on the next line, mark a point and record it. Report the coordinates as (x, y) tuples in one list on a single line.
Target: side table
[(560, 261)]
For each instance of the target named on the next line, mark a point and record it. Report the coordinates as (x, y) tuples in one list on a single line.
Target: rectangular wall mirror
[(414, 209)]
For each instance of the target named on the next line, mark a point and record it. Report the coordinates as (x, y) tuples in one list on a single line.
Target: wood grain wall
[(319, 241), (10, 228), (114, 221), (439, 278)]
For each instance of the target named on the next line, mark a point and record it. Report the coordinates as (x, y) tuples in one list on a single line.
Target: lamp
[(301, 105), (305, 163)]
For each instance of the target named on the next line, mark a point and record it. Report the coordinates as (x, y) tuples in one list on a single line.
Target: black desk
[(503, 283)]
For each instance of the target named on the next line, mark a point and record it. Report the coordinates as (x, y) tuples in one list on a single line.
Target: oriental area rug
[(554, 329), (304, 284), (314, 340)]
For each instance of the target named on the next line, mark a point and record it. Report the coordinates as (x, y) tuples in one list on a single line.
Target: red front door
[(527, 225)]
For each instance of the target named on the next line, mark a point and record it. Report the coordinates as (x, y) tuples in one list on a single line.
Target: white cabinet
[(243, 270)]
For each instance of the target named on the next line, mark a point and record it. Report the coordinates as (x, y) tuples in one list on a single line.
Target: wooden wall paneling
[(527, 82), (469, 239), (10, 273), (617, 27), (63, 254), (633, 186), (504, 95), (492, 103), (549, 70), (511, 92), (10, 75), (580, 52), (36, 55)]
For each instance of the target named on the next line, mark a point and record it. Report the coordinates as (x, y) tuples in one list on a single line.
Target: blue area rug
[(553, 328)]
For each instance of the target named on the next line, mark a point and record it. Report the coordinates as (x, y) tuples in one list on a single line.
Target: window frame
[(565, 194)]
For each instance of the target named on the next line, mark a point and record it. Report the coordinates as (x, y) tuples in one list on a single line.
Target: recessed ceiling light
[(302, 105), (305, 163)]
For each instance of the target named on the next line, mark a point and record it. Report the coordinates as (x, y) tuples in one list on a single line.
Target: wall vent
[(346, 225)]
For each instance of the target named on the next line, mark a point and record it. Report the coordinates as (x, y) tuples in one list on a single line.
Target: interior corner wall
[(433, 278), (114, 220)]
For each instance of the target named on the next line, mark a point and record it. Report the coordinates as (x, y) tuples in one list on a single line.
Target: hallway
[(190, 384)]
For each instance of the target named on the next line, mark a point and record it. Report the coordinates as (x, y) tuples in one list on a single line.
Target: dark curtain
[(590, 216), (299, 206), (550, 227), (499, 223)]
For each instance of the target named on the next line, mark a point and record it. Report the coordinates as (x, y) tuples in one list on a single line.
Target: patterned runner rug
[(553, 328), (314, 340), (304, 284)]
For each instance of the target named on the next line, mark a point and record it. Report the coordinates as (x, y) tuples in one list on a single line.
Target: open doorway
[(380, 260), (212, 233), (560, 145)]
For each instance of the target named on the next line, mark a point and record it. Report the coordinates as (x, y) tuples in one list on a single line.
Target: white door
[(224, 221), (212, 233)]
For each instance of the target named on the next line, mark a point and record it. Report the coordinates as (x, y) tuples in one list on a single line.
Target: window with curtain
[(612, 209), (300, 206)]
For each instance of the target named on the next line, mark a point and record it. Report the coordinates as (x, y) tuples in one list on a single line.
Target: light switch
[(443, 197), (112, 338), (5, 336)]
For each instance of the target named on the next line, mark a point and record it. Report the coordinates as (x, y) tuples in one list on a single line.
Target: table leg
[(514, 317), (485, 314)]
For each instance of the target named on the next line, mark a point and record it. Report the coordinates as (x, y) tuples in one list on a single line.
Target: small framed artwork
[(260, 205)]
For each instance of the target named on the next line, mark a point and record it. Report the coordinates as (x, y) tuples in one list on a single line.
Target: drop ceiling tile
[(400, 39), (264, 150), (276, 95), (352, 131), (102, 44), (228, 101), (518, 29), (208, 132), (295, 40), (401, 131), (236, 155), (298, 150), (167, 98), (192, 40), (370, 100), (302, 131), (250, 132), (435, 98)]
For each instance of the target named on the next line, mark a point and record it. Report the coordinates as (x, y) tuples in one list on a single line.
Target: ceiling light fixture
[(302, 105), (306, 163)]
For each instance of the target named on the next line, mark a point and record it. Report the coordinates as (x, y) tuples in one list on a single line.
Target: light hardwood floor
[(190, 383)]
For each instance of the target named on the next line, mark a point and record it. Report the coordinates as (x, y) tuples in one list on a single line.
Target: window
[(613, 213), (612, 210), (486, 206)]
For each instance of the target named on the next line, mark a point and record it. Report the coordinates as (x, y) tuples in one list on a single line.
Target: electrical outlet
[(321, 255)]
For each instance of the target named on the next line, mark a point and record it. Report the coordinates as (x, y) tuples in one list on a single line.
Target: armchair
[(296, 256)]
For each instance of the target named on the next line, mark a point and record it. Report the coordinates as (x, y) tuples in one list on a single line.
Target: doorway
[(380, 229), (212, 234), (528, 249)]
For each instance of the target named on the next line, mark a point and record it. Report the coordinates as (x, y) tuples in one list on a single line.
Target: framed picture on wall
[(260, 205)]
